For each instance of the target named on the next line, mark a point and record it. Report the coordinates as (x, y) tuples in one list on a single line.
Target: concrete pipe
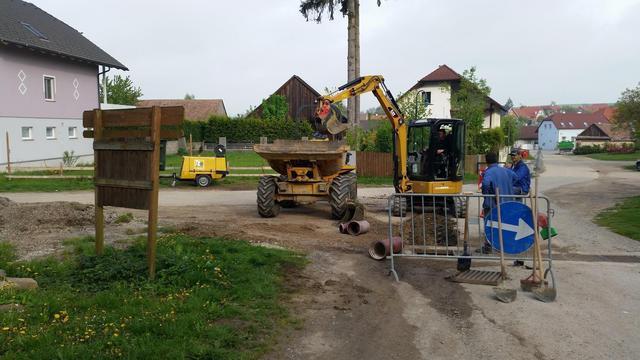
[(380, 249), (343, 228), (358, 227)]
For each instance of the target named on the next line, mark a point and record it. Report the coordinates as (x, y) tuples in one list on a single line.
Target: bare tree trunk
[(352, 39)]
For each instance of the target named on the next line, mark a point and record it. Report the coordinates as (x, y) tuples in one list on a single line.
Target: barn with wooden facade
[(300, 97)]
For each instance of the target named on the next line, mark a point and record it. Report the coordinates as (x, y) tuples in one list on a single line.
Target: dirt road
[(352, 309)]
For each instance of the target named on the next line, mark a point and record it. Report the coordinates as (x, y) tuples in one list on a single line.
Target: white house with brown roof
[(601, 134), (528, 138), (565, 127), (437, 87), (195, 110)]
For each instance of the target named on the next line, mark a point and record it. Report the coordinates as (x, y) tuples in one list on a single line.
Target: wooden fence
[(374, 163), (381, 164)]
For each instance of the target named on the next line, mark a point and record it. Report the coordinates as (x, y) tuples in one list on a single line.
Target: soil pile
[(433, 229)]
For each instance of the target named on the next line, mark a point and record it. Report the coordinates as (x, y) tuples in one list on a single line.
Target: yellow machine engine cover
[(436, 187), (192, 166)]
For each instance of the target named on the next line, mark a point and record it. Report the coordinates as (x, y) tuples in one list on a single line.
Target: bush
[(620, 148), (242, 129), (485, 141), (588, 149)]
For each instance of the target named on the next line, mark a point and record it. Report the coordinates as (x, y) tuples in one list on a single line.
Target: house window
[(50, 132), (73, 132), (27, 133), (564, 138), (49, 88), (573, 138), (426, 97)]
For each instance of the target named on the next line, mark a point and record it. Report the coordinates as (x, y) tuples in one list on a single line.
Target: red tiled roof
[(609, 112), (442, 73), (199, 109), (575, 121), (528, 133), (531, 112)]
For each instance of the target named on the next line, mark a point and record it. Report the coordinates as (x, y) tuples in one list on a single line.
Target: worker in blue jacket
[(523, 184), (498, 177)]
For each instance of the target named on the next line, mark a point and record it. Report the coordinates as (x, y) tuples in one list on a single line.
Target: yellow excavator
[(428, 154)]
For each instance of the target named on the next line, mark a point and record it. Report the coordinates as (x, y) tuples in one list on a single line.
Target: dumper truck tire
[(354, 185), (340, 193), (267, 189)]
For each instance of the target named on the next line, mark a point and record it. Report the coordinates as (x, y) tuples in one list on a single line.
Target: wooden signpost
[(126, 146)]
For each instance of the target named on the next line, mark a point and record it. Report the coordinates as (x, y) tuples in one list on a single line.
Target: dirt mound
[(28, 218), (426, 226), (4, 202)]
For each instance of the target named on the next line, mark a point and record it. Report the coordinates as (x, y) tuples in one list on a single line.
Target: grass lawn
[(624, 218), (43, 185), (621, 157), (235, 158), (213, 299)]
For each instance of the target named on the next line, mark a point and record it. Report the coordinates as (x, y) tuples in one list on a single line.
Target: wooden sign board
[(126, 146)]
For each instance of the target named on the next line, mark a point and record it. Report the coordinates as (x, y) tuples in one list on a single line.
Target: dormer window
[(585, 123), (562, 124)]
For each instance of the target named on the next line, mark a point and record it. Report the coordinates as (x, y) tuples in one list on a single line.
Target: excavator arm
[(326, 113)]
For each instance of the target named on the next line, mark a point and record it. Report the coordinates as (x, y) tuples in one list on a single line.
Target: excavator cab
[(435, 150)]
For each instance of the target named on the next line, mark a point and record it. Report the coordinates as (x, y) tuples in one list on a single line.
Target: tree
[(275, 107), (509, 104), (316, 9), (469, 103), (627, 114), (121, 90), (569, 109), (510, 128), (188, 96), (412, 105)]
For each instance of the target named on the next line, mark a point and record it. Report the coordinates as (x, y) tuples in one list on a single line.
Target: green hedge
[(238, 130), (589, 149)]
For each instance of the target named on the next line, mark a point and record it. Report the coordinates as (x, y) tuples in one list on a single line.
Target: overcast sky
[(568, 51)]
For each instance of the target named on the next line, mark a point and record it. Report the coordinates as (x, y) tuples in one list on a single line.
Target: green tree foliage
[(275, 107), (490, 140), (121, 90), (510, 128), (246, 129), (469, 103), (188, 96), (412, 105), (509, 104), (384, 137), (628, 111), (569, 109)]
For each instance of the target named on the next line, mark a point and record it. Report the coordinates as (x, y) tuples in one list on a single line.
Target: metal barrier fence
[(432, 226)]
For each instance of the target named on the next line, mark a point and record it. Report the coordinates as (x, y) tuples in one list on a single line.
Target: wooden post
[(190, 145), (97, 134), (8, 155), (153, 194)]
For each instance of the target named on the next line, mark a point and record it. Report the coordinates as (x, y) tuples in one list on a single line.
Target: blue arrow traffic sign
[(517, 227)]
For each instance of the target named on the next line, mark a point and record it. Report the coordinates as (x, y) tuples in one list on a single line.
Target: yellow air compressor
[(203, 169)]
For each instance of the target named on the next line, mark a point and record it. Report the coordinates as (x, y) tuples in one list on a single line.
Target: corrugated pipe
[(380, 249), (358, 227)]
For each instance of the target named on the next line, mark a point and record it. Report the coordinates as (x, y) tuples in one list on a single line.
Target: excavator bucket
[(330, 118)]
